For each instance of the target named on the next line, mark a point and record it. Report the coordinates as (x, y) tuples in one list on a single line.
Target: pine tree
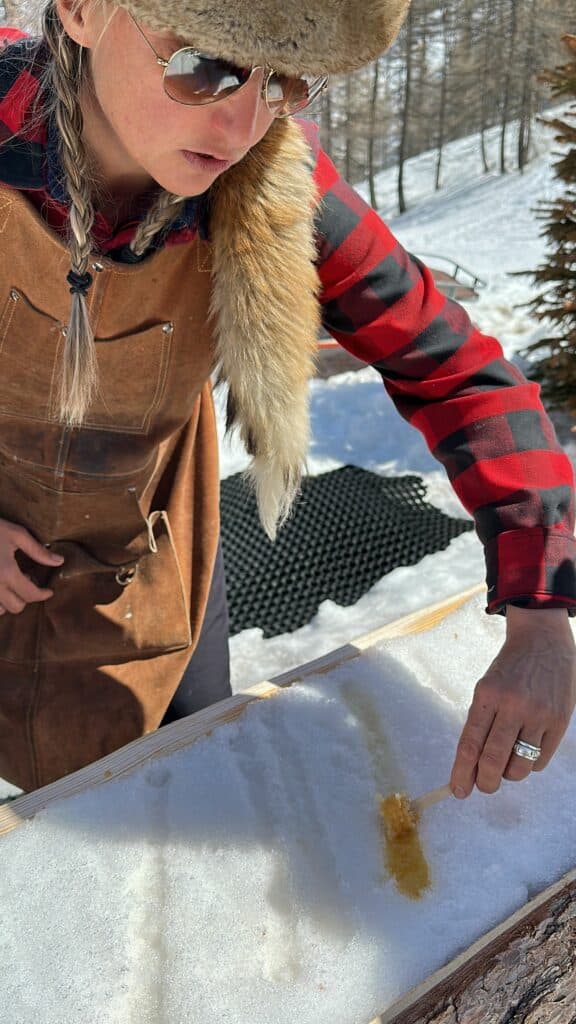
[(556, 370)]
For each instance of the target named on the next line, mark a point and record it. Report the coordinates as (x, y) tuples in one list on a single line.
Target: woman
[(151, 168)]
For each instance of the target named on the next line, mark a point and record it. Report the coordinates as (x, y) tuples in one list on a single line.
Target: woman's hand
[(528, 693), (16, 589)]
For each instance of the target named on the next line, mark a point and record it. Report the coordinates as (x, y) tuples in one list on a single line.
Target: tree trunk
[(534, 981), (485, 78), (372, 133), (507, 85), (326, 123), (521, 972), (405, 109), (525, 119), (443, 93), (349, 130)]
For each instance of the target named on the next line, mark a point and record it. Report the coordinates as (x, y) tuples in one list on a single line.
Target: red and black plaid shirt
[(480, 417)]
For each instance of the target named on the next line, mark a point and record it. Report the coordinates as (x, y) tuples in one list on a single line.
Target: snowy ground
[(244, 879)]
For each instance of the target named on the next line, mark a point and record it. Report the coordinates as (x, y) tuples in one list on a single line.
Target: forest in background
[(458, 68)]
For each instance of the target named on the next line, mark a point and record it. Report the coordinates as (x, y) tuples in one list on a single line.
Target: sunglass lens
[(286, 95), (194, 79)]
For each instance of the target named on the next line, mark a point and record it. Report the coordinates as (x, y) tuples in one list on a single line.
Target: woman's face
[(136, 133)]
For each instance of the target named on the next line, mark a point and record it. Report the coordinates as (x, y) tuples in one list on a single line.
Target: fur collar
[(265, 308)]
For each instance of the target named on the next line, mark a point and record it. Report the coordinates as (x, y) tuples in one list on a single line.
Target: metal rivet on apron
[(125, 576), (14, 295), (98, 267), (168, 328), (64, 331)]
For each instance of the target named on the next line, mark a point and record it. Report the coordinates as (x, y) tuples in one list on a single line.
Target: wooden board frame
[(425, 1003), (186, 731), (420, 1004)]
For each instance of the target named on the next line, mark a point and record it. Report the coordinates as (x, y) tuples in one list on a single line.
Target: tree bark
[(405, 110), (505, 116), (443, 93), (372, 133), (532, 980), (525, 119)]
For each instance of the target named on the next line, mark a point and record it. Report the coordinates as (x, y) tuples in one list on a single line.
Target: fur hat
[(299, 37)]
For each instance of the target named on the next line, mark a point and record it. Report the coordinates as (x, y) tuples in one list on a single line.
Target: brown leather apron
[(130, 499)]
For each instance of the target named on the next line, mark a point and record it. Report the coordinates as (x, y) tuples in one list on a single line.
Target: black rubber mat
[(349, 528)]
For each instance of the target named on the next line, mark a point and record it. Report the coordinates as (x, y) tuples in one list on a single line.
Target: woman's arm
[(485, 423), (479, 416)]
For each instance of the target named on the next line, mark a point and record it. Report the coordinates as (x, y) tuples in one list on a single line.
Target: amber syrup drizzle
[(404, 857)]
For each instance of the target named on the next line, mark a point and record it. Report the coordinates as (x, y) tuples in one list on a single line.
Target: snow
[(243, 879)]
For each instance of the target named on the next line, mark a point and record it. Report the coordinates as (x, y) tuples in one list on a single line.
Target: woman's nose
[(238, 117)]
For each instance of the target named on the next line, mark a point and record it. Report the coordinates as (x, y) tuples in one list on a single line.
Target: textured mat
[(349, 528)]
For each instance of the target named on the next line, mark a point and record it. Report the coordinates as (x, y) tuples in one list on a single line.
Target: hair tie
[(79, 283)]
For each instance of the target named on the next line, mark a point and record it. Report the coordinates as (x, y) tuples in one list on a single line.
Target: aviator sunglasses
[(192, 78)]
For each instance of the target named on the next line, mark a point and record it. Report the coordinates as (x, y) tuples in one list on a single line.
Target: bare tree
[(442, 112), (373, 129), (409, 69), (508, 27)]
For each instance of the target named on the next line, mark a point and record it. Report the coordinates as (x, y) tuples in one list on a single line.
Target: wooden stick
[(433, 797), (400, 814)]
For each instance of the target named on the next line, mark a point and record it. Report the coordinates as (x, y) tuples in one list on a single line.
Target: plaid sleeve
[(480, 417), (8, 35), (21, 148)]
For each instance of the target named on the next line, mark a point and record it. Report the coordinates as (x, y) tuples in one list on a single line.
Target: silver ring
[(527, 750)]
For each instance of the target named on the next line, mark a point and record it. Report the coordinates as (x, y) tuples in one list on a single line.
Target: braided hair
[(65, 75)]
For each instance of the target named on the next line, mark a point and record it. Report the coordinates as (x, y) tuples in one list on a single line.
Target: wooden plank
[(451, 287), (181, 734), (331, 361), (483, 980)]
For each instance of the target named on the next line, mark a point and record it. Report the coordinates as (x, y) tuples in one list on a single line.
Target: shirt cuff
[(531, 568)]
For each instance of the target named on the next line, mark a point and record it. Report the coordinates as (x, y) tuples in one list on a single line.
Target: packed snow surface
[(243, 878)]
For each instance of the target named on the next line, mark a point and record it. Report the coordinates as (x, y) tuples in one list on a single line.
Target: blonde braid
[(80, 369), (166, 208), (61, 87)]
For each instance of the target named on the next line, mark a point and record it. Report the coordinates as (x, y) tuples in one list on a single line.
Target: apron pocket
[(132, 370), (30, 347), (107, 614), (132, 374)]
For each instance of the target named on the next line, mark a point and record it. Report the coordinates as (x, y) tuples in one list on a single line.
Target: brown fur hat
[(298, 37)]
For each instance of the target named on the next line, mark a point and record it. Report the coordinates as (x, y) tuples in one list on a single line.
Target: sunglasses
[(192, 78)]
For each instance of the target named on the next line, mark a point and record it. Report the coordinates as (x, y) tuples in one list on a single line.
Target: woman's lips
[(205, 162)]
